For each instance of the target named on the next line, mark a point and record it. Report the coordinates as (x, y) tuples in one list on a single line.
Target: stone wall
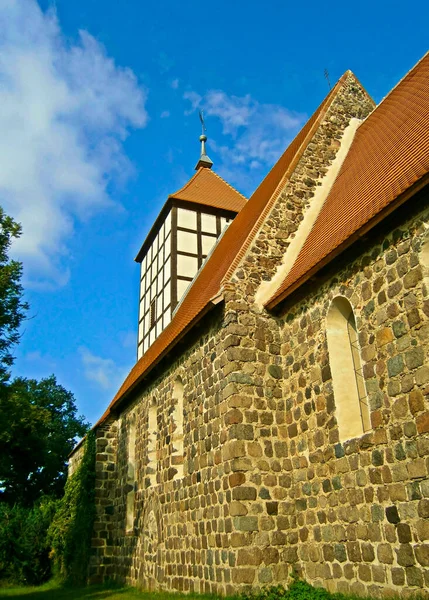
[(267, 487), (350, 516)]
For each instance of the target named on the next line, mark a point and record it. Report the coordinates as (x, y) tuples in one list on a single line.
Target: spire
[(204, 159)]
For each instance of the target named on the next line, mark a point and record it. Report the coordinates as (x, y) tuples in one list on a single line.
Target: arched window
[(177, 429), (152, 436), (349, 386), (131, 476)]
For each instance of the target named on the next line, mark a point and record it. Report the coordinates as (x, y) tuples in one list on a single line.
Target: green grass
[(54, 591)]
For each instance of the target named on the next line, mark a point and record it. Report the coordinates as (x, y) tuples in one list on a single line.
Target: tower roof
[(209, 189)]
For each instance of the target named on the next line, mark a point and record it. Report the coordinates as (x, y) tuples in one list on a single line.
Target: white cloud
[(102, 371), (175, 84), (165, 114), (65, 110), (254, 134)]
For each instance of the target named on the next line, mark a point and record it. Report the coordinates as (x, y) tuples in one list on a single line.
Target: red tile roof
[(390, 153), (209, 189), (227, 253)]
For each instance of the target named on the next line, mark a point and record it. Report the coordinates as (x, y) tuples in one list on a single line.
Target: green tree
[(38, 430), (12, 307)]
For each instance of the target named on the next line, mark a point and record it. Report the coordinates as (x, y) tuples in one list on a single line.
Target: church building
[(276, 421)]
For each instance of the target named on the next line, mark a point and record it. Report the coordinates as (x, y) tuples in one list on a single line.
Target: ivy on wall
[(71, 530)]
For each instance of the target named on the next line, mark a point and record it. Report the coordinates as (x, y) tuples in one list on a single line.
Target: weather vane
[(203, 125), (326, 73)]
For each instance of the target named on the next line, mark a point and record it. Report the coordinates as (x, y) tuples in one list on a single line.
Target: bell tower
[(184, 233)]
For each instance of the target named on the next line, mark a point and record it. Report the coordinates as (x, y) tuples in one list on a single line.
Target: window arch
[(349, 386), (177, 429), (152, 436)]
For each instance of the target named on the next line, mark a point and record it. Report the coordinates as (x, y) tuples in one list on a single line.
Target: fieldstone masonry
[(268, 489)]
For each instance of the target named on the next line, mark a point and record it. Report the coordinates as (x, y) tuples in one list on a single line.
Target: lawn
[(53, 591)]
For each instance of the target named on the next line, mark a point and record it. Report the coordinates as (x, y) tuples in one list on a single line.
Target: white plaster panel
[(152, 336), (207, 243), (160, 257), (208, 223), (140, 351), (187, 266), (167, 294), (223, 223), (167, 246), (187, 218), (160, 282), (167, 224), (167, 318), (159, 305), (167, 270), (182, 286), (187, 242)]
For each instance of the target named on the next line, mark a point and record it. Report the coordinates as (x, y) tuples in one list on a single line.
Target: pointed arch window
[(177, 430), (350, 395)]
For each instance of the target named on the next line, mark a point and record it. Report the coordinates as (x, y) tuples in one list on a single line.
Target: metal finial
[(204, 159)]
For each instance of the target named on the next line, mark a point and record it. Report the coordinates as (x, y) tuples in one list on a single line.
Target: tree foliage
[(24, 546), (12, 306), (71, 530), (38, 429)]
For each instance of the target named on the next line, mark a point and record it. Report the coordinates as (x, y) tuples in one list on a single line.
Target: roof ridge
[(263, 215), (228, 184)]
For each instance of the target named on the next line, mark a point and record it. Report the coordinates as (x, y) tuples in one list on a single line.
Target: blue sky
[(99, 124)]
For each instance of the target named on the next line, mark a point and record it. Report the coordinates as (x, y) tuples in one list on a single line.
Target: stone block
[(416, 401), (398, 576), (237, 509), (395, 365), (414, 576), (385, 553), (417, 468), (414, 358), (422, 422), (244, 493), (237, 478), (243, 575), (234, 449), (423, 508), (405, 555), (422, 554), (246, 523), (249, 556), (384, 336)]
